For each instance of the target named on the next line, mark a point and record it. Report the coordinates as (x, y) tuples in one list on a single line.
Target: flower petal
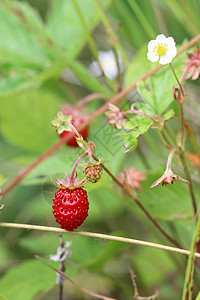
[(152, 44), (161, 38), (170, 41), (152, 56), (166, 59)]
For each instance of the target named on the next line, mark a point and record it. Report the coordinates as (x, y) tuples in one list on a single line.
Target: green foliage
[(27, 280), (44, 63), (135, 128), (2, 297), (189, 281)]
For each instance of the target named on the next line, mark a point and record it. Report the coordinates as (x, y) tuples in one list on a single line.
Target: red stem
[(120, 95), (140, 113), (75, 165)]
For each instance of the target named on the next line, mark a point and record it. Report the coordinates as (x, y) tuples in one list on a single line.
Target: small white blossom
[(162, 49)]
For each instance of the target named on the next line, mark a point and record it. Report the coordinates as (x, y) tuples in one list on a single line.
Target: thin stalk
[(113, 39), (76, 164), (182, 153), (98, 236), (140, 113), (181, 88), (188, 176), (60, 291), (131, 194), (98, 112)]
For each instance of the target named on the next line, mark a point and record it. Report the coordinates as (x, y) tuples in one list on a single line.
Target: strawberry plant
[(100, 155)]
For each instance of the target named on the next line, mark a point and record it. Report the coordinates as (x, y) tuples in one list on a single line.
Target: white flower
[(162, 49)]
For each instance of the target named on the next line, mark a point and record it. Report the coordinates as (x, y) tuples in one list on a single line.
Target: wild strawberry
[(70, 207), (72, 141), (93, 172), (78, 118)]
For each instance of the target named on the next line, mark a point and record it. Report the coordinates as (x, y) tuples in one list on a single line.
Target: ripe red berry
[(70, 207), (72, 142)]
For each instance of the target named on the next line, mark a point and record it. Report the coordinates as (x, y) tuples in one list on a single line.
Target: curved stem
[(140, 113), (181, 88), (73, 128), (75, 165), (169, 160), (89, 153), (191, 188)]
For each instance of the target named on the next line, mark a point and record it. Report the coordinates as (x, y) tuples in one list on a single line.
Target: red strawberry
[(70, 207), (78, 118), (72, 142)]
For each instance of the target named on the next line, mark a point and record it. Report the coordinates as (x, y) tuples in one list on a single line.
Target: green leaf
[(168, 115), (2, 297), (157, 89), (27, 125), (170, 202), (27, 280), (65, 27), (188, 284), (198, 296), (25, 47), (110, 250), (135, 127)]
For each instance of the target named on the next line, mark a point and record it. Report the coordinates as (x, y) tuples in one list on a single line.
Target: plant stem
[(188, 177), (76, 164), (98, 236), (169, 160), (140, 113), (182, 153), (131, 194), (117, 97), (181, 88)]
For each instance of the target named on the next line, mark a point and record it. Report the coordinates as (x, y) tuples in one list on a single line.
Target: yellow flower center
[(160, 49)]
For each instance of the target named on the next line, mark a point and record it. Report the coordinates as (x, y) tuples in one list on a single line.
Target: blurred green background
[(46, 50)]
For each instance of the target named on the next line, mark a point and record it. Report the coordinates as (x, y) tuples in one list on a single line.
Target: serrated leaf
[(27, 280), (135, 127), (157, 89), (168, 115)]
